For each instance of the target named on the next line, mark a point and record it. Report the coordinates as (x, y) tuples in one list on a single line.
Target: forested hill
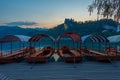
[(84, 28)]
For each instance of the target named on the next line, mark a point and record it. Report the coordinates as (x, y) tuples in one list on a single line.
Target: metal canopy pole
[(34, 44), (92, 44), (11, 47), (23, 45), (73, 44), (85, 44), (105, 44), (80, 45), (1, 48), (38, 44), (19, 45), (53, 44), (77, 44), (99, 47), (23, 48), (58, 45), (29, 44)]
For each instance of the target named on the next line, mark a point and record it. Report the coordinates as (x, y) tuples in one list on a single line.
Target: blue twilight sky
[(43, 13)]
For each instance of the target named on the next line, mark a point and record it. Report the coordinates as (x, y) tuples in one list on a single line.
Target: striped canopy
[(97, 38), (37, 37), (72, 35)]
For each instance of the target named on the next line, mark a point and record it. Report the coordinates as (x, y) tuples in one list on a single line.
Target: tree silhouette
[(107, 8)]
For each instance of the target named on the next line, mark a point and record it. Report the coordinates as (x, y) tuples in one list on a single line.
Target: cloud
[(22, 23)]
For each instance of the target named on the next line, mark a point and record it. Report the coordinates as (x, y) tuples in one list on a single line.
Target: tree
[(107, 8)]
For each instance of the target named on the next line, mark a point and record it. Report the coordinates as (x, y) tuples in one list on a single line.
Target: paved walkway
[(86, 70)]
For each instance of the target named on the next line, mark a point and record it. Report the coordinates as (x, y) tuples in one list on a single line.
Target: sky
[(43, 13)]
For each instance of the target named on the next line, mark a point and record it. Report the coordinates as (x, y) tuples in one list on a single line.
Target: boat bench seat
[(75, 52), (37, 53), (65, 54), (98, 53)]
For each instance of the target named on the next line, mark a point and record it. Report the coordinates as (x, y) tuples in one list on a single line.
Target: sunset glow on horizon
[(46, 13)]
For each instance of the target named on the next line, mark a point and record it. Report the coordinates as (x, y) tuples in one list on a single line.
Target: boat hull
[(37, 59), (69, 56), (10, 60), (42, 56), (101, 58), (98, 56), (72, 59), (15, 57)]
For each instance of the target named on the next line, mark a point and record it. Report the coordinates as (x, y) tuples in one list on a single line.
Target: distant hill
[(85, 28), (107, 27), (15, 30)]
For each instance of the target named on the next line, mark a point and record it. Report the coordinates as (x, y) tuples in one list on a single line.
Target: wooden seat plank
[(96, 52), (75, 52)]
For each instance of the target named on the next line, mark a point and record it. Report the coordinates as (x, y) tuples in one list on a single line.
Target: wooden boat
[(98, 56), (113, 51), (14, 57), (69, 55), (40, 56), (18, 55)]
